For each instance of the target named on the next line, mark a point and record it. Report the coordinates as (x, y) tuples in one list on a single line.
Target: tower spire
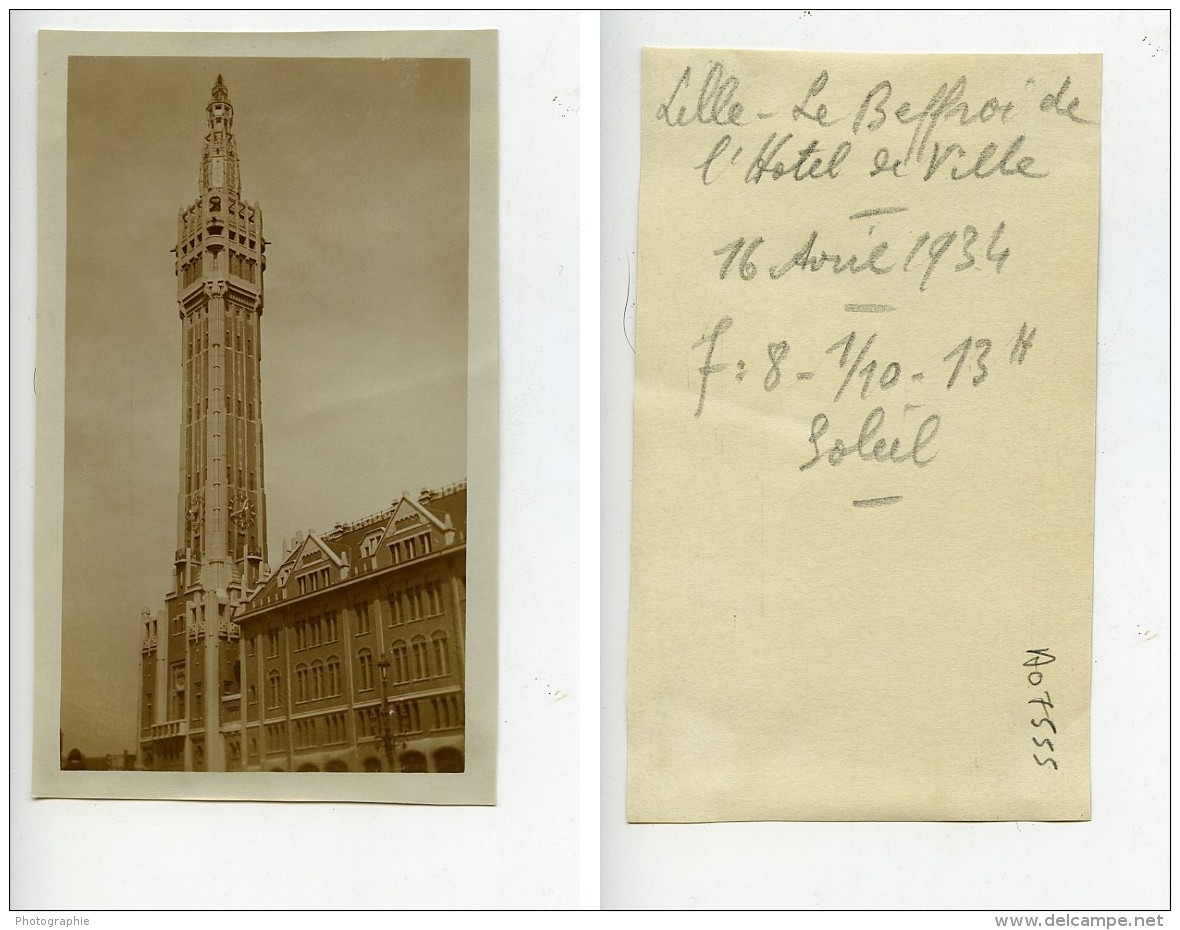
[(195, 705), (219, 161)]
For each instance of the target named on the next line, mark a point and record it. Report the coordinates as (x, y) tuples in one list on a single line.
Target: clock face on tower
[(241, 511)]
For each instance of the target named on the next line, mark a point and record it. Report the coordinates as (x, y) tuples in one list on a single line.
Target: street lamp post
[(387, 736)]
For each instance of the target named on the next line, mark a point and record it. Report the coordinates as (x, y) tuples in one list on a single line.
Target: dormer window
[(369, 546)]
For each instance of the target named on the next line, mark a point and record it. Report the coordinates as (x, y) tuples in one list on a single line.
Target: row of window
[(405, 717), (421, 660), (332, 729), (314, 581), (327, 730), (335, 728), (303, 733), (193, 232), (416, 603), (318, 680), (448, 711), (199, 408), (418, 660), (197, 341), (368, 722), (411, 548), (190, 271), (240, 266), (315, 631)]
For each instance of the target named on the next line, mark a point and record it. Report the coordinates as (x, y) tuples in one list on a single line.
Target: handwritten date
[(924, 254)]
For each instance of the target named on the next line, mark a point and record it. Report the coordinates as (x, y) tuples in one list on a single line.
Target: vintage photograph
[(266, 458)]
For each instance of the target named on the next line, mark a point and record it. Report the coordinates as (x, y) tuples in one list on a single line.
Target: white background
[(525, 851), (1119, 860)]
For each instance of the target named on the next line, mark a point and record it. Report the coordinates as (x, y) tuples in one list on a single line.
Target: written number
[(746, 268)]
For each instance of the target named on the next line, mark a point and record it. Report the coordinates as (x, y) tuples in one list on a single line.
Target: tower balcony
[(168, 729), (227, 629), (182, 557)]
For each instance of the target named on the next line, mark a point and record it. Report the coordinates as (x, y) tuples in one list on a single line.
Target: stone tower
[(221, 503)]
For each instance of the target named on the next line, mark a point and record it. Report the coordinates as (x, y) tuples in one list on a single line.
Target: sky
[(360, 167)]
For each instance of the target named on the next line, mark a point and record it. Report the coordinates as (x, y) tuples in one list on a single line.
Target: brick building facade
[(359, 630)]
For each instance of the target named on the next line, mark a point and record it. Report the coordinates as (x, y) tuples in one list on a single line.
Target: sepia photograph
[(265, 533)]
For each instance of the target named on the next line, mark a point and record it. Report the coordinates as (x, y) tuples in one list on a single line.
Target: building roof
[(365, 545)]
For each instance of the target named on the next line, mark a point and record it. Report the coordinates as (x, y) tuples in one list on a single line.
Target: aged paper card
[(864, 437)]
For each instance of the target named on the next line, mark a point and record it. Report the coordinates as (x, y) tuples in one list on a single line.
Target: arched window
[(364, 663), (300, 683), (317, 680), (399, 661), (418, 649), (273, 695), (441, 663), (333, 670)]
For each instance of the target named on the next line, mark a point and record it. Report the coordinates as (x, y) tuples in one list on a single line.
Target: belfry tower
[(193, 721)]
